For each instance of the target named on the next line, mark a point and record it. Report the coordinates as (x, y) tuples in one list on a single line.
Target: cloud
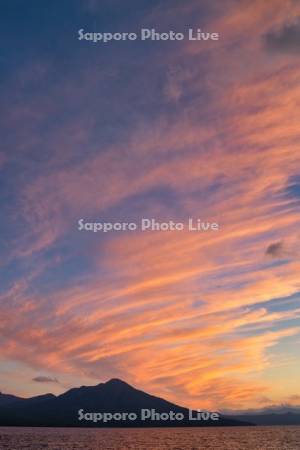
[(226, 153), (286, 40), (288, 248), (276, 250), (45, 379)]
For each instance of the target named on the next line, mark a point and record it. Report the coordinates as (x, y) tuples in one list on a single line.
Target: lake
[(231, 438)]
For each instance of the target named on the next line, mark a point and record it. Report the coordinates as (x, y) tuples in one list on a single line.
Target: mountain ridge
[(114, 397)]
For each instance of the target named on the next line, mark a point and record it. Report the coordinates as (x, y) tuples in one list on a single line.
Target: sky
[(151, 129)]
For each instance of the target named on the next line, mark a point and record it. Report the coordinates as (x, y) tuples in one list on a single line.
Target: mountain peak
[(116, 382)]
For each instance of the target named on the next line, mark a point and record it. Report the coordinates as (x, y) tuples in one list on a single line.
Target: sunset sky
[(169, 130)]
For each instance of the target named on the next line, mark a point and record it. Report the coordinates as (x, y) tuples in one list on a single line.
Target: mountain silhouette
[(286, 418), (114, 396), (284, 414), (6, 399)]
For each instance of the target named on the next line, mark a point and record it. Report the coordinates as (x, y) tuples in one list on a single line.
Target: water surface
[(235, 438)]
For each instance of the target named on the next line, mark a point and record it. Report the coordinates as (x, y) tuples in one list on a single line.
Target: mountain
[(288, 418), (5, 399), (282, 418), (273, 409), (272, 415), (114, 397)]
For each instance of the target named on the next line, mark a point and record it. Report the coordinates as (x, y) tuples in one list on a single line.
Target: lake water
[(244, 438)]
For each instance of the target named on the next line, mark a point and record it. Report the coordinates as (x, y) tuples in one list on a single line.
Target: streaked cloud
[(286, 39), (45, 379), (213, 135)]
